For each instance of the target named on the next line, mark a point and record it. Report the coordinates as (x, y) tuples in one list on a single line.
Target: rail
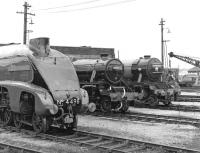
[(109, 143), (176, 107), (132, 116), (6, 148)]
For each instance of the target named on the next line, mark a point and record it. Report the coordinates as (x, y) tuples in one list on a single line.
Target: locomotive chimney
[(40, 46), (147, 56)]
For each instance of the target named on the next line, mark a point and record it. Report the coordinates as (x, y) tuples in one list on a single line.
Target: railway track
[(108, 143), (8, 148), (132, 116), (190, 89), (175, 107), (188, 98)]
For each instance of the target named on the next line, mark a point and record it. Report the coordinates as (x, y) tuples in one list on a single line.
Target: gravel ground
[(195, 115), (45, 146), (187, 103), (168, 134), (197, 93)]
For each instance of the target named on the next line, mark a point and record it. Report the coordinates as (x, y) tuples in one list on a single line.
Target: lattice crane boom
[(186, 59)]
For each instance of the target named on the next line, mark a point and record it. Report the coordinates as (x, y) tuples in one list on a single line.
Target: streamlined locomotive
[(100, 78), (38, 87), (144, 77)]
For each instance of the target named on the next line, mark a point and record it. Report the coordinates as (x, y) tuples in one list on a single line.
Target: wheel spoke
[(106, 104), (6, 116), (17, 120)]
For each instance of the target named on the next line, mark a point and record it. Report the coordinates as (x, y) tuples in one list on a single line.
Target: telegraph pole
[(26, 7), (162, 41), (118, 54)]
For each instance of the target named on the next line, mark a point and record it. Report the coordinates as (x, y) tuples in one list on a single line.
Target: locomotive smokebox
[(149, 68), (40, 46), (90, 70)]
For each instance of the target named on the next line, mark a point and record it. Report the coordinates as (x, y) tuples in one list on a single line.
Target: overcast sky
[(132, 27)]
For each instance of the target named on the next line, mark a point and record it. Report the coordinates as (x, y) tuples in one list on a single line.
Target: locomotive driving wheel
[(6, 116), (39, 123), (153, 101), (168, 102), (125, 106), (105, 104), (17, 120)]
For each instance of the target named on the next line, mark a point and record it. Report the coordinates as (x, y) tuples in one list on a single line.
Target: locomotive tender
[(143, 76), (99, 77), (38, 87)]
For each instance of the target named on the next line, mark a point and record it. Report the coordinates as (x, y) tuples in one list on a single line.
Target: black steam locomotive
[(99, 77), (144, 77), (141, 78), (38, 87)]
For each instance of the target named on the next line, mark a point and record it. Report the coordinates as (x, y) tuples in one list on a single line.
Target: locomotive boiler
[(144, 77), (100, 78), (38, 87)]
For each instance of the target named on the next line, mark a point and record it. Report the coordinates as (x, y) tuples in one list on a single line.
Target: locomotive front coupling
[(67, 109)]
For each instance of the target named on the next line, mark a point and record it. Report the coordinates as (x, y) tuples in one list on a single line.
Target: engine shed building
[(1, 45), (85, 52), (194, 70)]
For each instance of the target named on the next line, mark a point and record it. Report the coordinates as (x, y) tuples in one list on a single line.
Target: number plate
[(74, 100), (68, 101)]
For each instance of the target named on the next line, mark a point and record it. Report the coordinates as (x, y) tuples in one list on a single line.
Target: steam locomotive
[(100, 78), (144, 77), (38, 87)]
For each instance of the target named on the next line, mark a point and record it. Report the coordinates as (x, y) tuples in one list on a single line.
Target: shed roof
[(84, 50), (9, 44), (194, 70)]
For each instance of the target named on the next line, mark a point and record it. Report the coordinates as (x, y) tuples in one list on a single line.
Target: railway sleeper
[(94, 140), (118, 146), (81, 138), (6, 148), (134, 148), (75, 135), (102, 142)]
